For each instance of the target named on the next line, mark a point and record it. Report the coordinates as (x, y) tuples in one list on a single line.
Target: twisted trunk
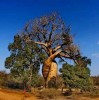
[(53, 71), (49, 70)]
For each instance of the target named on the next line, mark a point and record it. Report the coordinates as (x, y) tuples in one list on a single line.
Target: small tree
[(76, 77), (95, 80), (24, 61)]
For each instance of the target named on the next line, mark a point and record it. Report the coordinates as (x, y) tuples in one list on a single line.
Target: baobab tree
[(53, 37)]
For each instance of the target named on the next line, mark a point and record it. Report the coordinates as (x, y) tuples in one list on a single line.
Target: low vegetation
[(49, 94)]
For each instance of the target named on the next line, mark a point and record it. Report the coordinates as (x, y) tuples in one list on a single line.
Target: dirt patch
[(7, 94), (16, 95)]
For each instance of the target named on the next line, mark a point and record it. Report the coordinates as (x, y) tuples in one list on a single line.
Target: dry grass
[(45, 94), (49, 94), (53, 94)]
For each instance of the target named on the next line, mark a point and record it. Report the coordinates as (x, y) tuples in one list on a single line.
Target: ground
[(7, 94)]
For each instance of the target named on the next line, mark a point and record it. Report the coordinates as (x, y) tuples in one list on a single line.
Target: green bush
[(3, 78), (52, 83), (55, 82), (76, 77), (14, 85)]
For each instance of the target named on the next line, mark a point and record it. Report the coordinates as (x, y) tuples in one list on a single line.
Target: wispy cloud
[(98, 42), (95, 55)]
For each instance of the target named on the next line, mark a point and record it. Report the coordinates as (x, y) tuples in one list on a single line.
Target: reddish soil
[(6, 94)]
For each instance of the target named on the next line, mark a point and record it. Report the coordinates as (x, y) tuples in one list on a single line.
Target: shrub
[(94, 93), (49, 94), (14, 85), (3, 78), (52, 83), (55, 82)]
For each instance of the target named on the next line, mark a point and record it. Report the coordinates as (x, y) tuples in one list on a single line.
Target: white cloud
[(95, 55)]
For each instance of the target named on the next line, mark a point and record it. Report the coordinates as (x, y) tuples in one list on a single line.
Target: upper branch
[(68, 56), (40, 43), (45, 49), (57, 48), (50, 33), (55, 54), (43, 34)]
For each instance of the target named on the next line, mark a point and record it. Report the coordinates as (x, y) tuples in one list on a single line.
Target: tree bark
[(49, 70)]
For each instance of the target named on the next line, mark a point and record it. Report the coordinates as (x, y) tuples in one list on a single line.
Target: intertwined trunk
[(49, 70), (53, 71)]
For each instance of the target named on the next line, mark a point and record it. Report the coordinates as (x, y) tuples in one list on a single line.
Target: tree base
[(51, 79)]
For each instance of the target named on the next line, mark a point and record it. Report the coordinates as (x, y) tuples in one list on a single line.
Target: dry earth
[(6, 94), (16, 95)]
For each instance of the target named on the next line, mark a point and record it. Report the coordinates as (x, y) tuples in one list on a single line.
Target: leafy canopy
[(76, 76), (24, 60)]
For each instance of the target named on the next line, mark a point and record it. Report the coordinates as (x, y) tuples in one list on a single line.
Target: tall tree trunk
[(53, 70), (49, 70)]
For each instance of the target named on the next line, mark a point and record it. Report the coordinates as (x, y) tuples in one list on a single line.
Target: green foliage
[(24, 61), (55, 82), (83, 61), (59, 81), (37, 81), (52, 83), (94, 93), (3, 78), (14, 82), (95, 80), (76, 77), (41, 41)]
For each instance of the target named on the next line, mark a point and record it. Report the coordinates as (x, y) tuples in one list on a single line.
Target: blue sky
[(81, 15)]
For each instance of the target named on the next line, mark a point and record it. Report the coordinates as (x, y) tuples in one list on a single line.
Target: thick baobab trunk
[(49, 70), (53, 71)]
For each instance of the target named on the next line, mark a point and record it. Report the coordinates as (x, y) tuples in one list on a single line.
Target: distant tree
[(68, 74), (83, 61), (38, 81), (95, 80), (84, 82), (53, 37), (24, 61), (3, 78), (76, 76)]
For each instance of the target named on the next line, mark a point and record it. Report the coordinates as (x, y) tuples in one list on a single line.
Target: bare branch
[(45, 49), (50, 34), (41, 43), (55, 54), (68, 56), (64, 55), (58, 47), (39, 38), (44, 36)]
